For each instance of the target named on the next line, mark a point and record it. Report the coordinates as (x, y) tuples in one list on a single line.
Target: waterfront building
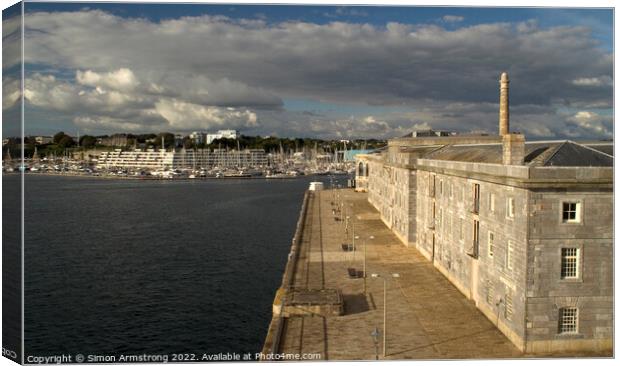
[(222, 134), (523, 229), (349, 155), (182, 159), (42, 140), (429, 133), (198, 137)]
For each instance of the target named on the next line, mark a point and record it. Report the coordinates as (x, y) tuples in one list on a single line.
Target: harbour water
[(158, 267)]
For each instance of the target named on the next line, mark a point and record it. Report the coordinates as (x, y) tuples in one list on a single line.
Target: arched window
[(366, 170), (360, 169)]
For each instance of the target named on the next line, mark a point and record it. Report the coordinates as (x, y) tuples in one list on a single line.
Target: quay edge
[(272, 340)]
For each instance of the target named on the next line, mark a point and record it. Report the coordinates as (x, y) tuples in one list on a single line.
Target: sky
[(310, 71)]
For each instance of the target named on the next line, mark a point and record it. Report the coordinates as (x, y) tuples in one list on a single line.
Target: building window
[(491, 243), (440, 187), (492, 202), (476, 239), (510, 255), (510, 207), (490, 292), (568, 320), (571, 212), (431, 185), (451, 187), (461, 229), (508, 306), (570, 263), (476, 198), (431, 221)]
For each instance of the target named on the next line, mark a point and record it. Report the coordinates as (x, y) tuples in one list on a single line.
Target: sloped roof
[(607, 148), (539, 153), (573, 154), (421, 151)]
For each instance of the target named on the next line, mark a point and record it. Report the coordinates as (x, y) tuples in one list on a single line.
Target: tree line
[(61, 143)]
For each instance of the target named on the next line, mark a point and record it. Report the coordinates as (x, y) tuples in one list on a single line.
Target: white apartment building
[(228, 134), (199, 158)]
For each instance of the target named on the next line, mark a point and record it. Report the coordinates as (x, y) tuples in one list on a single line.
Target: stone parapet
[(445, 140)]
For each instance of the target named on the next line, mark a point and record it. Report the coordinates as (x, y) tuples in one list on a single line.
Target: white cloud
[(128, 111), (121, 79), (421, 126), (595, 81), (184, 116), (11, 92), (592, 123)]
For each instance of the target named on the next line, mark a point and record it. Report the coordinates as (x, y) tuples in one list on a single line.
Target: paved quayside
[(427, 317)]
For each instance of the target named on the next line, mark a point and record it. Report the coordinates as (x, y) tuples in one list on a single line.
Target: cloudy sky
[(311, 71)]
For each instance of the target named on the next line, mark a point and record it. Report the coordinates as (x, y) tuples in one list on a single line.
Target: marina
[(184, 163)]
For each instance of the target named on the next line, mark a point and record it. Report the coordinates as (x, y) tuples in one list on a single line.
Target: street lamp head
[(357, 237), (375, 275), (371, 237), (395, 275)]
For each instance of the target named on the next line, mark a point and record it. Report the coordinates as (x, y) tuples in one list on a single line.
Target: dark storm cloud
[(215, 62)]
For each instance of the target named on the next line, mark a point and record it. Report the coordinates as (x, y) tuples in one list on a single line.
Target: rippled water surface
[(123, 266)]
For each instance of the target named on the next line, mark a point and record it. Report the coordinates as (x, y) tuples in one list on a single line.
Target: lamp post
[(365, 244), (353, 240), (375, 337), (376, 275)]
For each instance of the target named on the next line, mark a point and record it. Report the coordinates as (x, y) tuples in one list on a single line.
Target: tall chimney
[(503, 105)]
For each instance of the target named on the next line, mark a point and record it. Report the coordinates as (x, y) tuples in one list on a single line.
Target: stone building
[(523, 229)]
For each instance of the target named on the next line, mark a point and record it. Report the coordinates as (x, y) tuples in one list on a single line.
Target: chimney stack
[(504, 116), (513, 149), (513, 144)]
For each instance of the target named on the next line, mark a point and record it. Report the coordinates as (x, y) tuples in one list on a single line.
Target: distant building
[(198, 137), (174, 159), (524, 230), (349, 155), (430, 133), (222, 134), (119, 139), (42, 140)]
